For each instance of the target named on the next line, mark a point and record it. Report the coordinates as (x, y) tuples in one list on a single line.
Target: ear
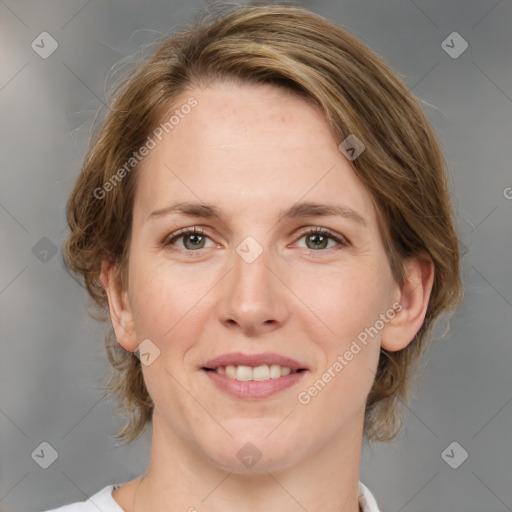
[(413, 296), (119, 305)]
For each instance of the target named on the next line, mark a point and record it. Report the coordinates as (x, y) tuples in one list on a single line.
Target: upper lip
[(238, 358)]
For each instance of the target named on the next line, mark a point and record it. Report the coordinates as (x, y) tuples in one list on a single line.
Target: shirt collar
[(366, 499)]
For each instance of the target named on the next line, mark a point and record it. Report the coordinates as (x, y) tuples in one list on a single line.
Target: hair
[(402, 168)]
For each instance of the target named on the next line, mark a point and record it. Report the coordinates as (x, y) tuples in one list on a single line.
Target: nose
[(253, 297)]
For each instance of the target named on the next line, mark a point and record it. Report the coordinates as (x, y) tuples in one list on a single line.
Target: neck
[(183, 478)]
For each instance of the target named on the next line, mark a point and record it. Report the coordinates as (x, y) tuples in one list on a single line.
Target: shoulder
[(366, 499), (102, 500)]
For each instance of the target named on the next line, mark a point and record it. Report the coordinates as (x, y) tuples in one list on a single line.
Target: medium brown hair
[(402, 168)]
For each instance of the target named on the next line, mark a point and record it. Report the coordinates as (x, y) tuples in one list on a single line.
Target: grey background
[(52, 356)]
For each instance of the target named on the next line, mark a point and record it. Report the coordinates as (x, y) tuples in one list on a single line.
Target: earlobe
[(119, 306), (414, 298)]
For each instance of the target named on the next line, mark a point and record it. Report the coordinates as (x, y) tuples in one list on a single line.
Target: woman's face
[(254, 280)]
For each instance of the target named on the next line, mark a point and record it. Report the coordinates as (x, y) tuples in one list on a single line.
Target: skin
[(253, 151)]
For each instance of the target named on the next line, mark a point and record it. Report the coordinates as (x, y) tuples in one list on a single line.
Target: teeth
[(261, 373), (243, 373), (275, 371), (230, 371), (258, 373)]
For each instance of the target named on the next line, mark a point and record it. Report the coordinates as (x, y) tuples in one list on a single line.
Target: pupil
[(195, 239), (315, 239)]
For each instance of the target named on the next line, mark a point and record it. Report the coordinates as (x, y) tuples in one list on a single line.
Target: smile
[(259, 373), (253, 376), (253, 389)]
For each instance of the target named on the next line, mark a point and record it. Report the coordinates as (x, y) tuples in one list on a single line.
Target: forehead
[(248, 147)]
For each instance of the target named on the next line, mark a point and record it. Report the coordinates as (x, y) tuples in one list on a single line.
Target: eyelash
[(173, 237)]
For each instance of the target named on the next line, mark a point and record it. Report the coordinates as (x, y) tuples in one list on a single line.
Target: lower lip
[(251, 389)]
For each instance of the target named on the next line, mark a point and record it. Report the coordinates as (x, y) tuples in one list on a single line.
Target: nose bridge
[(253, 296), (251, 286)]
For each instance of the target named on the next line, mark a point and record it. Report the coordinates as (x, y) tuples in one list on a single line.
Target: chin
[(255, 452)]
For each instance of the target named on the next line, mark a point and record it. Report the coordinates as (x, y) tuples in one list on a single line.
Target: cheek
[(346, 301), (168, 302), (349, 305), (150, 297), (346, 327)]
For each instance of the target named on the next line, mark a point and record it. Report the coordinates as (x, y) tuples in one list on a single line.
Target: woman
[(266, 219)]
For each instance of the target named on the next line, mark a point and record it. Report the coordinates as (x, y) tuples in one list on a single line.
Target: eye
[(193, 238), (318, 238)]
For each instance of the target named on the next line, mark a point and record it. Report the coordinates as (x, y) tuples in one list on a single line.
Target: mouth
[(253, 376), (257, 373)]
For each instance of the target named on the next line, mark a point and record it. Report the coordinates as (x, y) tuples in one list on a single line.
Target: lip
[(253, 390), (239, 358)]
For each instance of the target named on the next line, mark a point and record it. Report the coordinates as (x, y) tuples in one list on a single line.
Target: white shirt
[(104, 501)]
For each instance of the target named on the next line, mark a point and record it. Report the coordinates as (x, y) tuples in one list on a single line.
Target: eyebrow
[(298, 210)]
